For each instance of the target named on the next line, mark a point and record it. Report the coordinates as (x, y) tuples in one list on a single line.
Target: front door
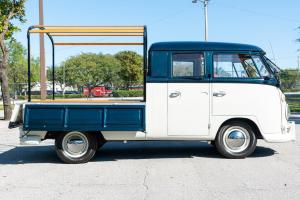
[(188, 96)]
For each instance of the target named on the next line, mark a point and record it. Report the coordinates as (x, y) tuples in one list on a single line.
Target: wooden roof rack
[(108, 31)]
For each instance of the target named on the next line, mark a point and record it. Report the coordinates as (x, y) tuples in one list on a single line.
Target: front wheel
[(76, 147), (236, 140)]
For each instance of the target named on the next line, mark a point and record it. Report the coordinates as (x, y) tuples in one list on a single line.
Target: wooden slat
[(96, 34), (96, 43), (108, 29), (47, 26)]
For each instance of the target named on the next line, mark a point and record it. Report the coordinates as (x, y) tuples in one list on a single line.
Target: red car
[(97, 91)]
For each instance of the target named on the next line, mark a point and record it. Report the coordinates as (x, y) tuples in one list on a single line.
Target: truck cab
[(224, 93), (200, 86)]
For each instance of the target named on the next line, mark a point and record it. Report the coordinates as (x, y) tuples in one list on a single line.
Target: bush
[(292, 90), (128, 93)]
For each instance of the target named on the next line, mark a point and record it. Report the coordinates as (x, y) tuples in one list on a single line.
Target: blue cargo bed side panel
[(52, 117)]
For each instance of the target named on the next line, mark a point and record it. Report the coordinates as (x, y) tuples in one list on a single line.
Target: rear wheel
[(236, 140), (76, 147)]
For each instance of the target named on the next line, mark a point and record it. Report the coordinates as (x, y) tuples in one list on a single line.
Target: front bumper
[(288, 134)]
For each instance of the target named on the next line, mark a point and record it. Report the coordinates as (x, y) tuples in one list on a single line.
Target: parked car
[(72, 92), (97, 91)]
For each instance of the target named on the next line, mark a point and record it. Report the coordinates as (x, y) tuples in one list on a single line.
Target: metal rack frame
[(70, 31)]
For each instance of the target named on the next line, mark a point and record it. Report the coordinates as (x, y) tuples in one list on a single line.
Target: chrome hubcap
[(236, 139), (75, 144)]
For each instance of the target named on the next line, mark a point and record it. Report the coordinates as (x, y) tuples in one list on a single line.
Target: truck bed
[(84, 116)]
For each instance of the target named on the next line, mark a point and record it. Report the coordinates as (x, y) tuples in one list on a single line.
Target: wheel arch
[(248, 121)]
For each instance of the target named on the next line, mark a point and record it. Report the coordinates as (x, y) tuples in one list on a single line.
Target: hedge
[(67, 96), (116, 93), (128, 93), (292, 90)]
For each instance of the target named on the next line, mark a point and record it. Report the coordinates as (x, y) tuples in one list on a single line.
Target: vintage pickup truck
[(225, 93)]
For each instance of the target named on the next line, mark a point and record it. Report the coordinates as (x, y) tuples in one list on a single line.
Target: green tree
[(59, 76), (131, 70), (88, 69), (17, 71), (108, 67), (80, 70), (9, 10), (289, 78)]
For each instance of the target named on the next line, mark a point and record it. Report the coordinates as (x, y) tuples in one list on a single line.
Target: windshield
[(273, 66)]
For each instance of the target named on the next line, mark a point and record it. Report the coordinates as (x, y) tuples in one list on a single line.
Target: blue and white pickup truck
[(224, 93)]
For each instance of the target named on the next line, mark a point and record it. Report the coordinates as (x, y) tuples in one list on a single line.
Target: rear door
[(188, 95)]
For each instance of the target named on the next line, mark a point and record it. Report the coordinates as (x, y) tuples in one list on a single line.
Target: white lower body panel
[(31, 137), (288, 134), (123, 135)]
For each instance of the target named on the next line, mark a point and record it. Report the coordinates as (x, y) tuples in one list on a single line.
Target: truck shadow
[(114, 151)]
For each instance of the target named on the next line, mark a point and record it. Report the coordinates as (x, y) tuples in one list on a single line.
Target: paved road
[(154, 170)]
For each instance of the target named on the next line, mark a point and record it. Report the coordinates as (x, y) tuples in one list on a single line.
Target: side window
[(187, 65), (235, 66), (261, 66)]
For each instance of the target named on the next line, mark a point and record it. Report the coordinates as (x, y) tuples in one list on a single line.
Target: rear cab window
[(188, 65)]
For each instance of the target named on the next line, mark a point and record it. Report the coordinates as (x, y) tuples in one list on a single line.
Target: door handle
[(219, 94), (175, 94)]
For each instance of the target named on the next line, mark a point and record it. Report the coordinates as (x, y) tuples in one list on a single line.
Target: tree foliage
[(289, 78), (89, 69), (17, 70), (131, 70), (10, 11)]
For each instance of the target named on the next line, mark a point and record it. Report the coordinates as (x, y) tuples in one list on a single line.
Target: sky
[(269, 24)]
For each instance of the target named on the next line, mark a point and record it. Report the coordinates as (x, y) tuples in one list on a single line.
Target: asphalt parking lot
[(153, 170)]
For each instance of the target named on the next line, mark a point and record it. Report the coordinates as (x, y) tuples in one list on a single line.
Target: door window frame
[(255, 80), (201, 79)]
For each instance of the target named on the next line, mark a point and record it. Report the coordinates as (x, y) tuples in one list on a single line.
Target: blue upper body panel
[(203, 46), (84, 117)]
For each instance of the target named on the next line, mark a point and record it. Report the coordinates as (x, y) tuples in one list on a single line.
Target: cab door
[(188, 96), (242, 86)]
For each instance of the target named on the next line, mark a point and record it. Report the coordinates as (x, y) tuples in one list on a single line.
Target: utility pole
[(205, 3), (42, 54)]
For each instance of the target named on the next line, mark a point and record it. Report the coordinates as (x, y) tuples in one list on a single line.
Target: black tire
[(236, 140), (67, 156)]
